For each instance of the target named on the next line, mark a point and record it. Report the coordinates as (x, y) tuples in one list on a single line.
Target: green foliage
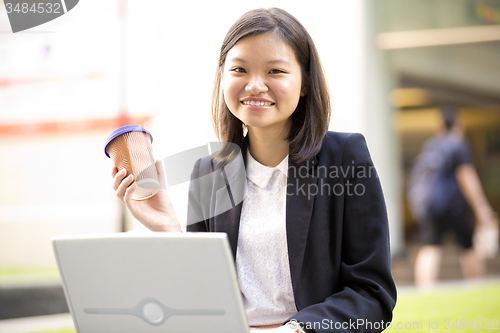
[(456, 308), (16, 275)]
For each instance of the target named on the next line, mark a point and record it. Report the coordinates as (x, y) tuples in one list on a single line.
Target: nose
[(256, 86)]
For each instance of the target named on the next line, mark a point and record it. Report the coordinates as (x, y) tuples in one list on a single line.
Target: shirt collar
[(261, 174)]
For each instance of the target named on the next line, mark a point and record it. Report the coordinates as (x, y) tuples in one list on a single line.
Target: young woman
[(310, 237)]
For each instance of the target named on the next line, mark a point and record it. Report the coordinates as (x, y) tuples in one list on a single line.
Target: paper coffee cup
[(129, 147)]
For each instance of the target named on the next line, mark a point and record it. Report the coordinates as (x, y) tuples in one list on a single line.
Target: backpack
[(432, 185)]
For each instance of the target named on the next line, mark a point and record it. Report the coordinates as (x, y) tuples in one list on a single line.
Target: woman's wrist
[(163, 224), (171, 225)]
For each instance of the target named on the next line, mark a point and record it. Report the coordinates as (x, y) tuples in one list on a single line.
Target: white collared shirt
[(262, 252)]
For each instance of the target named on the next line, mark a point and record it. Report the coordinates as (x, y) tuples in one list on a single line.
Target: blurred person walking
[(443, 185)]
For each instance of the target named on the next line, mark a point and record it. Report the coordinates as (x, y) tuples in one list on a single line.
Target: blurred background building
[(434, 54), (65, 85)]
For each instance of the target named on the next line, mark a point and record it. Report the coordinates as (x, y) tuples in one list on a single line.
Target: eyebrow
[(277, 61)]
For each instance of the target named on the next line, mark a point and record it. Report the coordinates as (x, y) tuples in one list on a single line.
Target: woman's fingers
[(114, 171), (129, 191), (123, 186), (118, 177)]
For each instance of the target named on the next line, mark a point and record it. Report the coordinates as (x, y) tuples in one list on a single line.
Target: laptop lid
[(150, 282)]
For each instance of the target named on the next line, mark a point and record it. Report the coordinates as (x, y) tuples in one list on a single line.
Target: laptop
[(150, 282)]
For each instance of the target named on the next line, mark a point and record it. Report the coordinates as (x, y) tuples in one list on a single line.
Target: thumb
[(161, 174)]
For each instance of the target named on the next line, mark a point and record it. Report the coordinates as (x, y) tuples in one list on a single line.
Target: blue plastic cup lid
[(122, 130)]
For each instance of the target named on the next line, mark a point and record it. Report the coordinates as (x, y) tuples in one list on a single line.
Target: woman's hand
[(157, 212)]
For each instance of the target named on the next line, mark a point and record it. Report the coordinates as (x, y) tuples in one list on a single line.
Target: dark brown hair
[(312, 115)]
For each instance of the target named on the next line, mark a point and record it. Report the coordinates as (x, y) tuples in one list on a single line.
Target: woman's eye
[(275, 71), (239, 70)]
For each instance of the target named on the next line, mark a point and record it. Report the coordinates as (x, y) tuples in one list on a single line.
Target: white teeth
[(257, 103)]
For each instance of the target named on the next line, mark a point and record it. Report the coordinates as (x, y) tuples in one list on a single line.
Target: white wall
[(52, 185)]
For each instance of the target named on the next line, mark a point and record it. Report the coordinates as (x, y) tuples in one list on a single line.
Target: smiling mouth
[(257, 103)]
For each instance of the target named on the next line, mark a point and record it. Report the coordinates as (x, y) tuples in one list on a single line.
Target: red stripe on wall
[(63, 127)]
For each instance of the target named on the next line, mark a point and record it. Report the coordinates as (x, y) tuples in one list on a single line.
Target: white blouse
[(262, 254)]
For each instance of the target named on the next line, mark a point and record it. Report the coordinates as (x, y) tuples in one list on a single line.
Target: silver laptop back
[(150, 282)]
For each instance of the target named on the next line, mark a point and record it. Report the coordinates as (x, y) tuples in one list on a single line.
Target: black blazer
[(337, 232)]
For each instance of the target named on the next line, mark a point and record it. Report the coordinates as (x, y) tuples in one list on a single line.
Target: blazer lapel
[(229, 222), (229, 199), (299, 205)]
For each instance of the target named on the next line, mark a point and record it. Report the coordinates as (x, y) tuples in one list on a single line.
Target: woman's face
[(262, 82)]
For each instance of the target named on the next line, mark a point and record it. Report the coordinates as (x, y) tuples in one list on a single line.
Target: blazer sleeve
[(367, 295)]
